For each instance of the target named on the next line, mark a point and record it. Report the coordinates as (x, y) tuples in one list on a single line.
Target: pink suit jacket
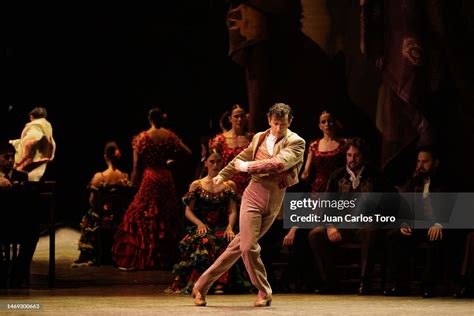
[(286, 162)]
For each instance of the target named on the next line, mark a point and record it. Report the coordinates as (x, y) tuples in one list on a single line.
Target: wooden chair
[(24, 207)]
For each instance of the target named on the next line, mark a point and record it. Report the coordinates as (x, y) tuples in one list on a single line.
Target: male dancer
[(274, 159)]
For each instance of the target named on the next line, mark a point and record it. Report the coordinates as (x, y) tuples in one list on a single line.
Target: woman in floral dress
[(103, 215), (151, 227), (212, 210)]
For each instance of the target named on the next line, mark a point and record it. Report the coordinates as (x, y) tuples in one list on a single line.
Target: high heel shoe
[(199, 299), (262, 302)]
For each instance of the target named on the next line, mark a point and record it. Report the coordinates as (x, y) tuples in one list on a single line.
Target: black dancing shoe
[(328, 290), (465, 292), (396, 291), (364, 289), (428, 292)]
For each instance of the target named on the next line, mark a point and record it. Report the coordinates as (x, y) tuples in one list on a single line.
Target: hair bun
[(117, 153)]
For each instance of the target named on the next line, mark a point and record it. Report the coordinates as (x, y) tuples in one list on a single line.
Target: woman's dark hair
[(112, 152), (224, 123), (209, 152), (337, 124), (39, 112), (224, 120), (156, 116), (203, 169)]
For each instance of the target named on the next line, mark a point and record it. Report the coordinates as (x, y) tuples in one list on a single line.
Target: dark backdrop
[(99, 70)]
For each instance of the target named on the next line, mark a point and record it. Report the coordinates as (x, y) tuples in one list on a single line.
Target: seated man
[(403, 240), (17, 227), (357, 176), (8, 175)]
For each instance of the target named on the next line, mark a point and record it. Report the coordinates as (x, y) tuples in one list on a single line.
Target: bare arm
[(190, 215), (184, 147), (95, 183), (181, 146), (201, 227), (290, 237), (137, 169), (229, 232), (92, 198), (307, 166)]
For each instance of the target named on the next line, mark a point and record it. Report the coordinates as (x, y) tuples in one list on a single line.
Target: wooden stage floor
[(108, 291)]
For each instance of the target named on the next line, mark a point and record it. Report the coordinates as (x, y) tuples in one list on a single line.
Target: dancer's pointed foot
[(262, 302), (199, 299)]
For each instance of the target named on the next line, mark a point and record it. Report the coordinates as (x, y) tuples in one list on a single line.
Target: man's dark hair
[(429, 149), (6, 147), (361, 145), (39, 112), (279, 110)]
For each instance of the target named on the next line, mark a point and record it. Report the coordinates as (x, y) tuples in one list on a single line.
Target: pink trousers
[(260, 206)]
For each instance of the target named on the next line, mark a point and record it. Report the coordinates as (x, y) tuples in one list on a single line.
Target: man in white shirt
[(273, 159), (36, 147)]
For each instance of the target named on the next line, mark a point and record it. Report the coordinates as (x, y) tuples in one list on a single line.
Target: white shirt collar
[(270, 142), (355, 178)]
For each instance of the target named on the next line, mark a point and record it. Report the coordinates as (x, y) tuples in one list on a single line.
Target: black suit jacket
[(441, 204), (18, 176), (374, 195)]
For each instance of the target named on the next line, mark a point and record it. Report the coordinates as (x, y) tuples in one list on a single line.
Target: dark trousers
[(467, 269), (299, 271), (20, 274), (324, 252), (401, 250)]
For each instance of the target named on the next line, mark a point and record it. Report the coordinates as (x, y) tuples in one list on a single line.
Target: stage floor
[(108, 291)]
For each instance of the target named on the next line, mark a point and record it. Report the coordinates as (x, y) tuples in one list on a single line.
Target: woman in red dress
[(232, 141), (150, 230), (325, 154)]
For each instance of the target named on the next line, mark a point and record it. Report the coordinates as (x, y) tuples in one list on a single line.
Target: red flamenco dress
[(241, 179), (324, 163), (150, 230)]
